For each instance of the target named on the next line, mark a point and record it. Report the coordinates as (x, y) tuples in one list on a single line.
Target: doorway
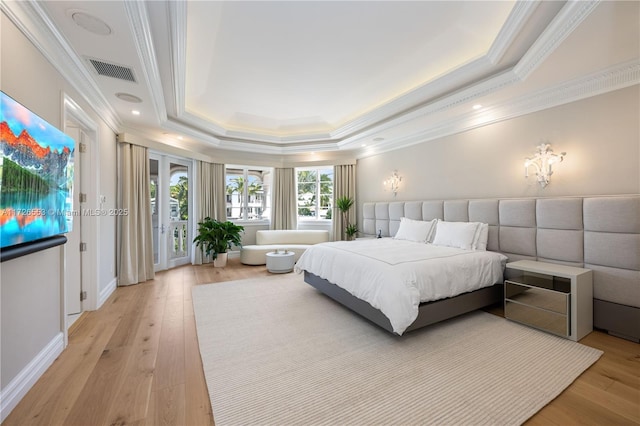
[(170, 192), (80, 290)]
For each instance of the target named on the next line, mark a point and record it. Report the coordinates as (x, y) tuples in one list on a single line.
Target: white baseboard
[(106, 292), (11, 395), (234, 254)]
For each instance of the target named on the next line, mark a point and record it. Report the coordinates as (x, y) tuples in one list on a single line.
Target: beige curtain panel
[(344, 185), (212, 200), (136, 238), (285, 214)]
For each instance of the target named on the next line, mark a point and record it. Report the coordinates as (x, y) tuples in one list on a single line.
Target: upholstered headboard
[(599, 233)]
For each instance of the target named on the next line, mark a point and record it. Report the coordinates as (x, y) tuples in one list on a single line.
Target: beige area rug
[(277, 352)]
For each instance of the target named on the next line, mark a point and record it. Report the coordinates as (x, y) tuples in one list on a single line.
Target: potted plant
[(344, 204), (216, 237), (351, 230)]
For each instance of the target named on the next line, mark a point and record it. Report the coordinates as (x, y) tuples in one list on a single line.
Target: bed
[(403, 284)]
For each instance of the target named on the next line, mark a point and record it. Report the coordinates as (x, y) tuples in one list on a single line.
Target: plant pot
[(220, 261)]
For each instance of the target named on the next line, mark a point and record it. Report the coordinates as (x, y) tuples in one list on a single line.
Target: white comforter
[(394, 276)]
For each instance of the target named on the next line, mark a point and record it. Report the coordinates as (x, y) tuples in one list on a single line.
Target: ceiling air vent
[(112, 70)]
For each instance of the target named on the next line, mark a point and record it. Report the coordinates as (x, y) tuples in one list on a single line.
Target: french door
[(170, 191)]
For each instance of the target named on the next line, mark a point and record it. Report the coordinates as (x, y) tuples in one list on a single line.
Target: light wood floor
[(136, 362)]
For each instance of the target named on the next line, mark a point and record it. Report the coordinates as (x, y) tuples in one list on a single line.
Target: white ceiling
[(352, 78)]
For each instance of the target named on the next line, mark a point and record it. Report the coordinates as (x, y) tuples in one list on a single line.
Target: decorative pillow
[(481, 237), (414, 230), (455, 234)]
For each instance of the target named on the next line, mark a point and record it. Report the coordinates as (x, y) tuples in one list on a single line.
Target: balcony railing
[(178, 244)]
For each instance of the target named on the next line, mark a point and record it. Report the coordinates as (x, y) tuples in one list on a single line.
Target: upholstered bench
[(291, 240)]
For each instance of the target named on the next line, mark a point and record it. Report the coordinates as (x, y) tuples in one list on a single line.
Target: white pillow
[(455, 234), (481, 237), (414, 230)]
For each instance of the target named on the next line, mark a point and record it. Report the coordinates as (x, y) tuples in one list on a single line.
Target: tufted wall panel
[(599, 233)]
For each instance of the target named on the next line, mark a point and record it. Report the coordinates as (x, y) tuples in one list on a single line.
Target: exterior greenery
[(216, 237), (180, 192), (311, 185)]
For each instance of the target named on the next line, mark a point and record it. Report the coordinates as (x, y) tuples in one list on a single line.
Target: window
[(315, 193), (248, 193)]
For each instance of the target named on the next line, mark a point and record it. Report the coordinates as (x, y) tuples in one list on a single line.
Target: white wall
[(30, 286), (601, 136)]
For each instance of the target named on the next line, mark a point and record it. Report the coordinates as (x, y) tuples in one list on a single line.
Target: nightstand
[(554, 298)]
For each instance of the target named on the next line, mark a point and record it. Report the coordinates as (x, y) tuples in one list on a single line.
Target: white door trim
[(72, 111)]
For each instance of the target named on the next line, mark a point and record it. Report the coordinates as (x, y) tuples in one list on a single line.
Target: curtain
[(344, 185), (285, 212), (212, 199), (136, 238)]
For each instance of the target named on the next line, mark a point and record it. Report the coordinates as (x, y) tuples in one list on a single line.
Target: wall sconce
[(542, 162), (393, 182)]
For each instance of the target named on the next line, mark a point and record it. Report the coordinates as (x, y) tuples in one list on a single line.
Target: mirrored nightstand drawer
[(537, 297), (539, 318)]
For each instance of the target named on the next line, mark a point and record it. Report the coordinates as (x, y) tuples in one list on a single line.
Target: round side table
[(280, 262)]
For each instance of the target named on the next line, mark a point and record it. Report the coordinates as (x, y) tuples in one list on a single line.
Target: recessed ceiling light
[(135, 112), (90, 23), (180, 137), (128, 97), (363, 145), (477, 106)]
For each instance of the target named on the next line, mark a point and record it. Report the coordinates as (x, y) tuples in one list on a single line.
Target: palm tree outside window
[(315, 193), (248, 193)]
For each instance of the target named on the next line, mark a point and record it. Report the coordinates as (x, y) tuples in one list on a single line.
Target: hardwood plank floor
[(136, 362)]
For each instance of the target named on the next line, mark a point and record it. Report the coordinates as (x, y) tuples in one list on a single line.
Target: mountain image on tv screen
[(36, 176)]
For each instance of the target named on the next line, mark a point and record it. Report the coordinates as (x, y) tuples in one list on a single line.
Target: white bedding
[(395, 276)]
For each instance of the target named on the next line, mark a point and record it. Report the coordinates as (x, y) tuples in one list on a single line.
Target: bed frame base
[(428, 313)]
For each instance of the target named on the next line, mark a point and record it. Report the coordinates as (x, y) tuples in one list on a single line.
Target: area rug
[(277, 352)]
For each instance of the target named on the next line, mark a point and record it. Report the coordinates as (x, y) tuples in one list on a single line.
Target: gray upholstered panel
[(612, 214), (396, 212), (616, 285), (432, 210), (413, 210), (493, 242), (369, 218), (456, 211), (615, 250), (561, 244), (559, 213), (521, 213), (518, 241), (382, 211), (382, 219), (485, 211)]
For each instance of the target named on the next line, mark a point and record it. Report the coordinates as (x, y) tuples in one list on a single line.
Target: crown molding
[(618, 77), (512, 27), (567, 20), (138, 18), (177, 15), (31, 19)]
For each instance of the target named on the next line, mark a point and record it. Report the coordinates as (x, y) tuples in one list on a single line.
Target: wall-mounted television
[(36, 177)]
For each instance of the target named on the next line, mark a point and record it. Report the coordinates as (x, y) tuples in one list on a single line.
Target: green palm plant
[(344, 204), (215, 237)]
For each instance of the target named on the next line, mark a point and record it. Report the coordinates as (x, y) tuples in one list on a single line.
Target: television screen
[(36, 176)]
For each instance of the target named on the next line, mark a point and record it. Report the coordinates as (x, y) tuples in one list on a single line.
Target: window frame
[(316, 218), (245, 194)]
